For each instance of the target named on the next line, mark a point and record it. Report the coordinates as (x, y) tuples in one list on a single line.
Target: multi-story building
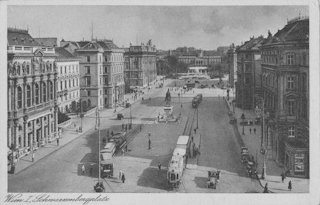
[(285, 81), (32, 99), (248, 73), (101, 72), (140, 66), (113, 73), (232, 65), (68, 87), (199, 60)]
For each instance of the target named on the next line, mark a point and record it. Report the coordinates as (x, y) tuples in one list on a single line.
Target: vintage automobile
[(212, 179), (119, 116)]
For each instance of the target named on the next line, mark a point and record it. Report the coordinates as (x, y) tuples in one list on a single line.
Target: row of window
[(68, 83), (70, 96), (69, 69), (45, 93), (290, 59), (112, 58)]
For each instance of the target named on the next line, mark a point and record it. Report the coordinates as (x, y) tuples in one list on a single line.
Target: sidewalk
[(69, 134), (273, 170)]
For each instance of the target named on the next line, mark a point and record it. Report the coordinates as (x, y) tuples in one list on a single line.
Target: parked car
[(119, 116)]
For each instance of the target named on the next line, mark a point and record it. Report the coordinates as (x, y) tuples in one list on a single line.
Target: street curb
[(45, 156), (239, 135)]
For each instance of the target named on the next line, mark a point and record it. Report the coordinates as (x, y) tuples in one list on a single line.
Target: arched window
[(19, 101), (28, 96), (44, 93), (36, 94), (51, 90)]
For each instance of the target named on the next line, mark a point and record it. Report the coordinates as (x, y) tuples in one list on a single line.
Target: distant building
[(68, 84), (285, 83), (140, 66), (32, 99), (248, 72)]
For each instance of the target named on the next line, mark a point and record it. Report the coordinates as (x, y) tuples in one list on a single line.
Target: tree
[(73, 106)]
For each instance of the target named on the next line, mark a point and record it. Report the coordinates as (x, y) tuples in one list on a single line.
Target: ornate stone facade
[(32, 100)]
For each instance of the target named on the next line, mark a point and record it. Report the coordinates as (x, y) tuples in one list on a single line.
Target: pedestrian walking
[(195, 130), (266, 188), (149, 144), (33, 156), (283, 176), (250, 130), (120, 174), (91, 169), (159, 166), (57, 141), (254, 130), (112, 133), (123, 178), (290, 185), (83, 169)]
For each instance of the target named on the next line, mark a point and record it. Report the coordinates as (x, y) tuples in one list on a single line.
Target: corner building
[(32, 100), (285, 80), (140, 66)]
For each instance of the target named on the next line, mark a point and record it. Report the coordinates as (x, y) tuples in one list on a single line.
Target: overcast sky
[(169, 27)]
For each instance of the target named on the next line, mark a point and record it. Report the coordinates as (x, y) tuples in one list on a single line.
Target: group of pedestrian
[(283, 177), (254, 130)]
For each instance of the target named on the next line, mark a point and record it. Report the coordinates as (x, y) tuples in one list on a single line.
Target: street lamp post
[(130, 125), (81, 115), (197, 117), (263, 149), (243, 117)]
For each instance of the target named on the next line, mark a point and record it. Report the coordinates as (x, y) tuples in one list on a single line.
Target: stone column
[(42, 130), (25, 134), (24, 96), (40, 91), (9, 133), (9, 96), (16, 133), (49, 127), (34, 136)]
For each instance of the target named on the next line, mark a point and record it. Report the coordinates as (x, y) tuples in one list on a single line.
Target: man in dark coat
[(290, 185), (123, 178), (266, 188)]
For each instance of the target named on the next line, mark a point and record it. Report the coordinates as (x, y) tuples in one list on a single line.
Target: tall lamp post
[(81, 115), (130, 125), (197, 117), (263, 150), (243, 117)]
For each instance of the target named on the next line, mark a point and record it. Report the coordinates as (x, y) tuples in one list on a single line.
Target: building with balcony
[(140, 66), (32, 99), (68, 83), (285, 84), (248, 72)]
